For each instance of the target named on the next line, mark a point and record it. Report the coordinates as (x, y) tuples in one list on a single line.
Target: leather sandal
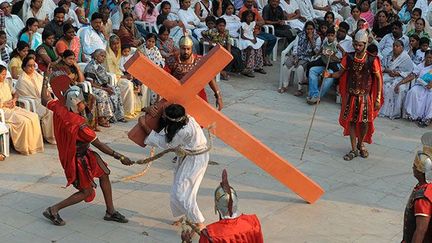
[(55, 219), (350, 155), (363, 151), (116, 216)]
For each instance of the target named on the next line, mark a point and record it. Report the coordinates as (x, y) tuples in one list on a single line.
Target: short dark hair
[(59, 10), (126, 46), (372, 48), (424, 40), (47, 33), (68, 53), (397, 23), (418, 10), (345, 26), (210, 18), (151, 35), (67, 27), (220, 21), (2, 32), (331, 30), (2, 68), (96, 15)]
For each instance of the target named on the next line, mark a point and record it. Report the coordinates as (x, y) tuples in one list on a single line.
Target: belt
[(357, 91)]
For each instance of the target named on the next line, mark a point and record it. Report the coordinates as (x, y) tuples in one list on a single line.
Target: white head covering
[(362, 36)]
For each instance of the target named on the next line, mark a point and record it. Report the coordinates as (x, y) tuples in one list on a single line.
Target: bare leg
[(363, 131), (105, 185), (73, 199), (353, 136)]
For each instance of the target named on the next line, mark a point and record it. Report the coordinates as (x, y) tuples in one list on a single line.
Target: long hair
[(173, 111), (21, 45)]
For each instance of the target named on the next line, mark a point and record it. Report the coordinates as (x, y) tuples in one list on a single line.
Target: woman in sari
[(30, 35), (396, 66), (406, 10), (391, 13), (69, 41), (419, 29), (38, 9), (68, 66), (381, 26), (165, 43), (172, 22), (418, 101), (303, 51), (17, 55), (366, 13), (25, 130), (108, 97), (45, 53), (112, 65), (30, 85), (128, 32)]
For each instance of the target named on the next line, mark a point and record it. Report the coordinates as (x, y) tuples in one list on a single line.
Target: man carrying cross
[(361, 89)]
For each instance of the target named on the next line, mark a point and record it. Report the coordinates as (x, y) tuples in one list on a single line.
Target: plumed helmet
[(73, 96), (362, 36), (423, 159), (226, 199), (185, 41)]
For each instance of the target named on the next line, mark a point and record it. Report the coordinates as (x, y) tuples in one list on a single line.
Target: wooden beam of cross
[(185, 93)]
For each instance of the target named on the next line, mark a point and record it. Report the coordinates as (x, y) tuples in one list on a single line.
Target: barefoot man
[(361, 89), (79, 162)]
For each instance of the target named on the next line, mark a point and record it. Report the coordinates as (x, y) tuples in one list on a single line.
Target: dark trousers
[(270, 39)]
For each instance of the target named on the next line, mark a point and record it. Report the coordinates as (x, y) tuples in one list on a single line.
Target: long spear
[(328, 53)]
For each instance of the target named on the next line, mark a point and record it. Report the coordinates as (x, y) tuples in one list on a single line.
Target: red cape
[(243, 229), (374, 92), (66, 128)]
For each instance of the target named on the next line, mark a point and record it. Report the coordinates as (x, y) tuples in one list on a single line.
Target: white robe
[(233, 24), (418, 102), (392, 106), (290, 9), (190, 170)]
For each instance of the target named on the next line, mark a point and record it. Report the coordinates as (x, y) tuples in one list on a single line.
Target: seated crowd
[(90, 41), (399, 34)]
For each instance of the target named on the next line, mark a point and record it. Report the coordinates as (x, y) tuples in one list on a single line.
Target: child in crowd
[(329, 46), (322, 30), (125, 56), (233, 23), (4, 48), (250, 45), (210, 22), (81, 12), (414, 42), (372, 49), (165, 43), (420, 53)]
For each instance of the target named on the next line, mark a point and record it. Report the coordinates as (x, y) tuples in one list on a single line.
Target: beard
[(185, 56)]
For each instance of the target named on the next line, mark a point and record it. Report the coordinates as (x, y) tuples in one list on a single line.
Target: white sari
[(418, 102), (403, 64)]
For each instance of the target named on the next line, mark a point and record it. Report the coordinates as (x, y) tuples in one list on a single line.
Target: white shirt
[(70, 15), (233, 24), (92, 40), (385, 46), (187, 16), (306, 9), (13, 25), (347, 45), (175, 6)]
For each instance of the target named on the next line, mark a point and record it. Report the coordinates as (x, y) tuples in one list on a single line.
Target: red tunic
[(179, 70), (358, 88), (73, 139), (243, 229)]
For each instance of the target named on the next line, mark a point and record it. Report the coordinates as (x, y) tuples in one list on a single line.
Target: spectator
[(203, 9), (108, 97), (17, 55), (69, 41), (304, 50), (112, 65), (392, 14), (92, 37), (307, 9), (233, 23), (274, 15), (341, 7), (419, 29), (321, 7), (353, 19), (345, 43), (419, 55), (406, 11), (322, 30), (30, 85), (39, 11), (210, 24), (396, 66), (414, 45), (381, 25), (250, 45), (220, 35), (81, 14), (25, 130), (13, 24), (419, 98), (329, 17), (118, 16), (5, 49), (165, 43), (107, 29), (56, 25), (70, 16), (220, 7), (146, 11), (269, 39), (366, 13), (416, 14), (45, 53), (30, 35), (386, 44), (188, 17), (172, 22), (128, 32), (292, 10)]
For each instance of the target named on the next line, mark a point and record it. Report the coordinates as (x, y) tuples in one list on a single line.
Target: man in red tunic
[(360, 87), (231, 227), (81, 165), (418, 211)]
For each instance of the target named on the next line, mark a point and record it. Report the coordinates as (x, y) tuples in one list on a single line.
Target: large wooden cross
[(185, 93)]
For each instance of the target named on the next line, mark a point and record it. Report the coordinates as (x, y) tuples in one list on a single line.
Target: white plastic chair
[(150, 27), (283, 71), (24, 102), (206, 49), (4, 134), (270, 29)]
